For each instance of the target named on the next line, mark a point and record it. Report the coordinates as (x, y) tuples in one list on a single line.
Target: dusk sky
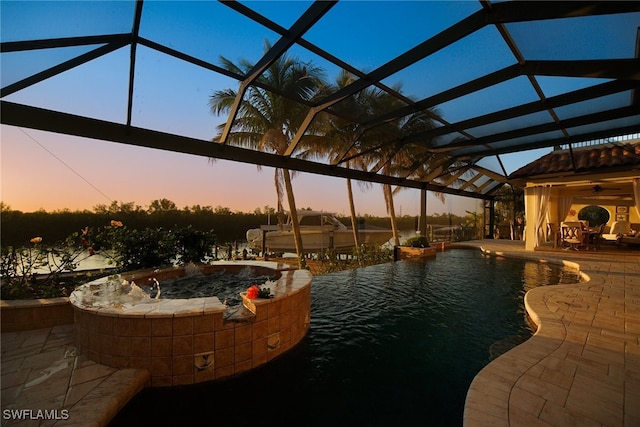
[(49, 171), (53, 172)]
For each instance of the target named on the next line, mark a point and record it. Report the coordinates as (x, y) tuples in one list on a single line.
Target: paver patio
[(46, 383)]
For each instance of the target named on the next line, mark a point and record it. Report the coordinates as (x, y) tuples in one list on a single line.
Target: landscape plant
[(418, 242), (363, 256), (37, 270), (268, 120)]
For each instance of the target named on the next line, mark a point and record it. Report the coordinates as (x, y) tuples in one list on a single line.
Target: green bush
[(132, 249), (193, 245), (360, 257), (36, 270), (418, 242)]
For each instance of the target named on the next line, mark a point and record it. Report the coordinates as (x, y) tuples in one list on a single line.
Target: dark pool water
[(395, 344), (223, 284)]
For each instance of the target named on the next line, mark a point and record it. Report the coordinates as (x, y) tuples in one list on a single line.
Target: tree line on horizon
[(18, 228)]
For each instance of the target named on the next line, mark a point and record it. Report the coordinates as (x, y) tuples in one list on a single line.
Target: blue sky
[(171, 96)]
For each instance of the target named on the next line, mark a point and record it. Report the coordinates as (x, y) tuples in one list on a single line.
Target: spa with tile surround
[(188, 341)]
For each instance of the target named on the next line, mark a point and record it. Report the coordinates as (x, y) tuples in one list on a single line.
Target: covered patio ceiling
[(495, 78)]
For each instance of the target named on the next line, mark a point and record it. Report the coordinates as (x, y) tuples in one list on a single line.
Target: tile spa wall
[(187, 341)]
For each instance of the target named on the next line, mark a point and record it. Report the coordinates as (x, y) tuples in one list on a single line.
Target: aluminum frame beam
[(54, 121)]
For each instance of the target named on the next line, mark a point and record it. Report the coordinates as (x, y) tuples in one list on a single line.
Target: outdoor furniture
[(594, 236), (553, 232), (631, 238), (618, 228), (573, 234)]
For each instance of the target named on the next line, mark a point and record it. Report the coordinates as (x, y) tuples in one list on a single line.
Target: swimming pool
[(396, 343)]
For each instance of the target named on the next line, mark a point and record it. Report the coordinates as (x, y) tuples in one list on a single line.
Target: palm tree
[(267, 121), (404, 159), (340, 138), (397, 158), (392, 158), (351, 144)]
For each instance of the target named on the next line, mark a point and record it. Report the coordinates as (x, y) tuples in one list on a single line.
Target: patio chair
[(573, 235)]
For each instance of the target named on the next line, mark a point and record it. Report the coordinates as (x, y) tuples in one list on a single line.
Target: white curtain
[(541, 201), (564, 204), (636, 194)]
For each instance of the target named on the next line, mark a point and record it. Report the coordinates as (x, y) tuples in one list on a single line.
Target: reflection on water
[(392, 344), (82, 261)]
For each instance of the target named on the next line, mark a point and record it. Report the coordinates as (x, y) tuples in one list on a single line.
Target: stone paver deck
[(582, 366), (46, 383)]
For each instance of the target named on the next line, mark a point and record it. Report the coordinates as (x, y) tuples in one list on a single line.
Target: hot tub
[(188, 341)]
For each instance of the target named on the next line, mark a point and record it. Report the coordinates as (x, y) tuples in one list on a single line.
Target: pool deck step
[(46, 383)]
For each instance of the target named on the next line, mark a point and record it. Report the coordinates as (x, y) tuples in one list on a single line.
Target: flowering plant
[(253, 292), (256, 291), (36, 270)]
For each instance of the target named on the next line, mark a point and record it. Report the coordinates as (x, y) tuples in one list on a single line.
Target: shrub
[(360, 257), (132, 249), (418, 242), (193, 245), (35, 271)]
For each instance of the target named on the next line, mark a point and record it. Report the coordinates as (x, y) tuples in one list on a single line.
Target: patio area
[(46, 382)]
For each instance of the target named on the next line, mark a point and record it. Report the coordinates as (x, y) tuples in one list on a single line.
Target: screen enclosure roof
[(423, 94)]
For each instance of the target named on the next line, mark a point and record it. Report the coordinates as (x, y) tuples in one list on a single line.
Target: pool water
[(392, 344)]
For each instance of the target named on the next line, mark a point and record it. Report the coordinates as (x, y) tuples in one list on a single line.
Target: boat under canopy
[(319, 231)]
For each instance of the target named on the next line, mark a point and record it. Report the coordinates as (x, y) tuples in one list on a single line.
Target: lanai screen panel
[(424, 94)]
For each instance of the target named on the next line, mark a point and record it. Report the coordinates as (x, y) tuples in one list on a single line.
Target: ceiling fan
[(596, 189), (603, 193)]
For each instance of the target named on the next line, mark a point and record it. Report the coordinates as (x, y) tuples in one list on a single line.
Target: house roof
[(496, 77), (604, 158)]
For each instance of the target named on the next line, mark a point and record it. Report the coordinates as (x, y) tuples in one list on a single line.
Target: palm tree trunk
[(278, 184), (352, 211), (294, 218), (388, 196)]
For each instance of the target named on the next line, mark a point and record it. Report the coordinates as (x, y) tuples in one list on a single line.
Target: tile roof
[(595, 158)]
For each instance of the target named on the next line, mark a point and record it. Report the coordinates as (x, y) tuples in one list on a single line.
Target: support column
[(422, 222), (530, 209), (489, 223)]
